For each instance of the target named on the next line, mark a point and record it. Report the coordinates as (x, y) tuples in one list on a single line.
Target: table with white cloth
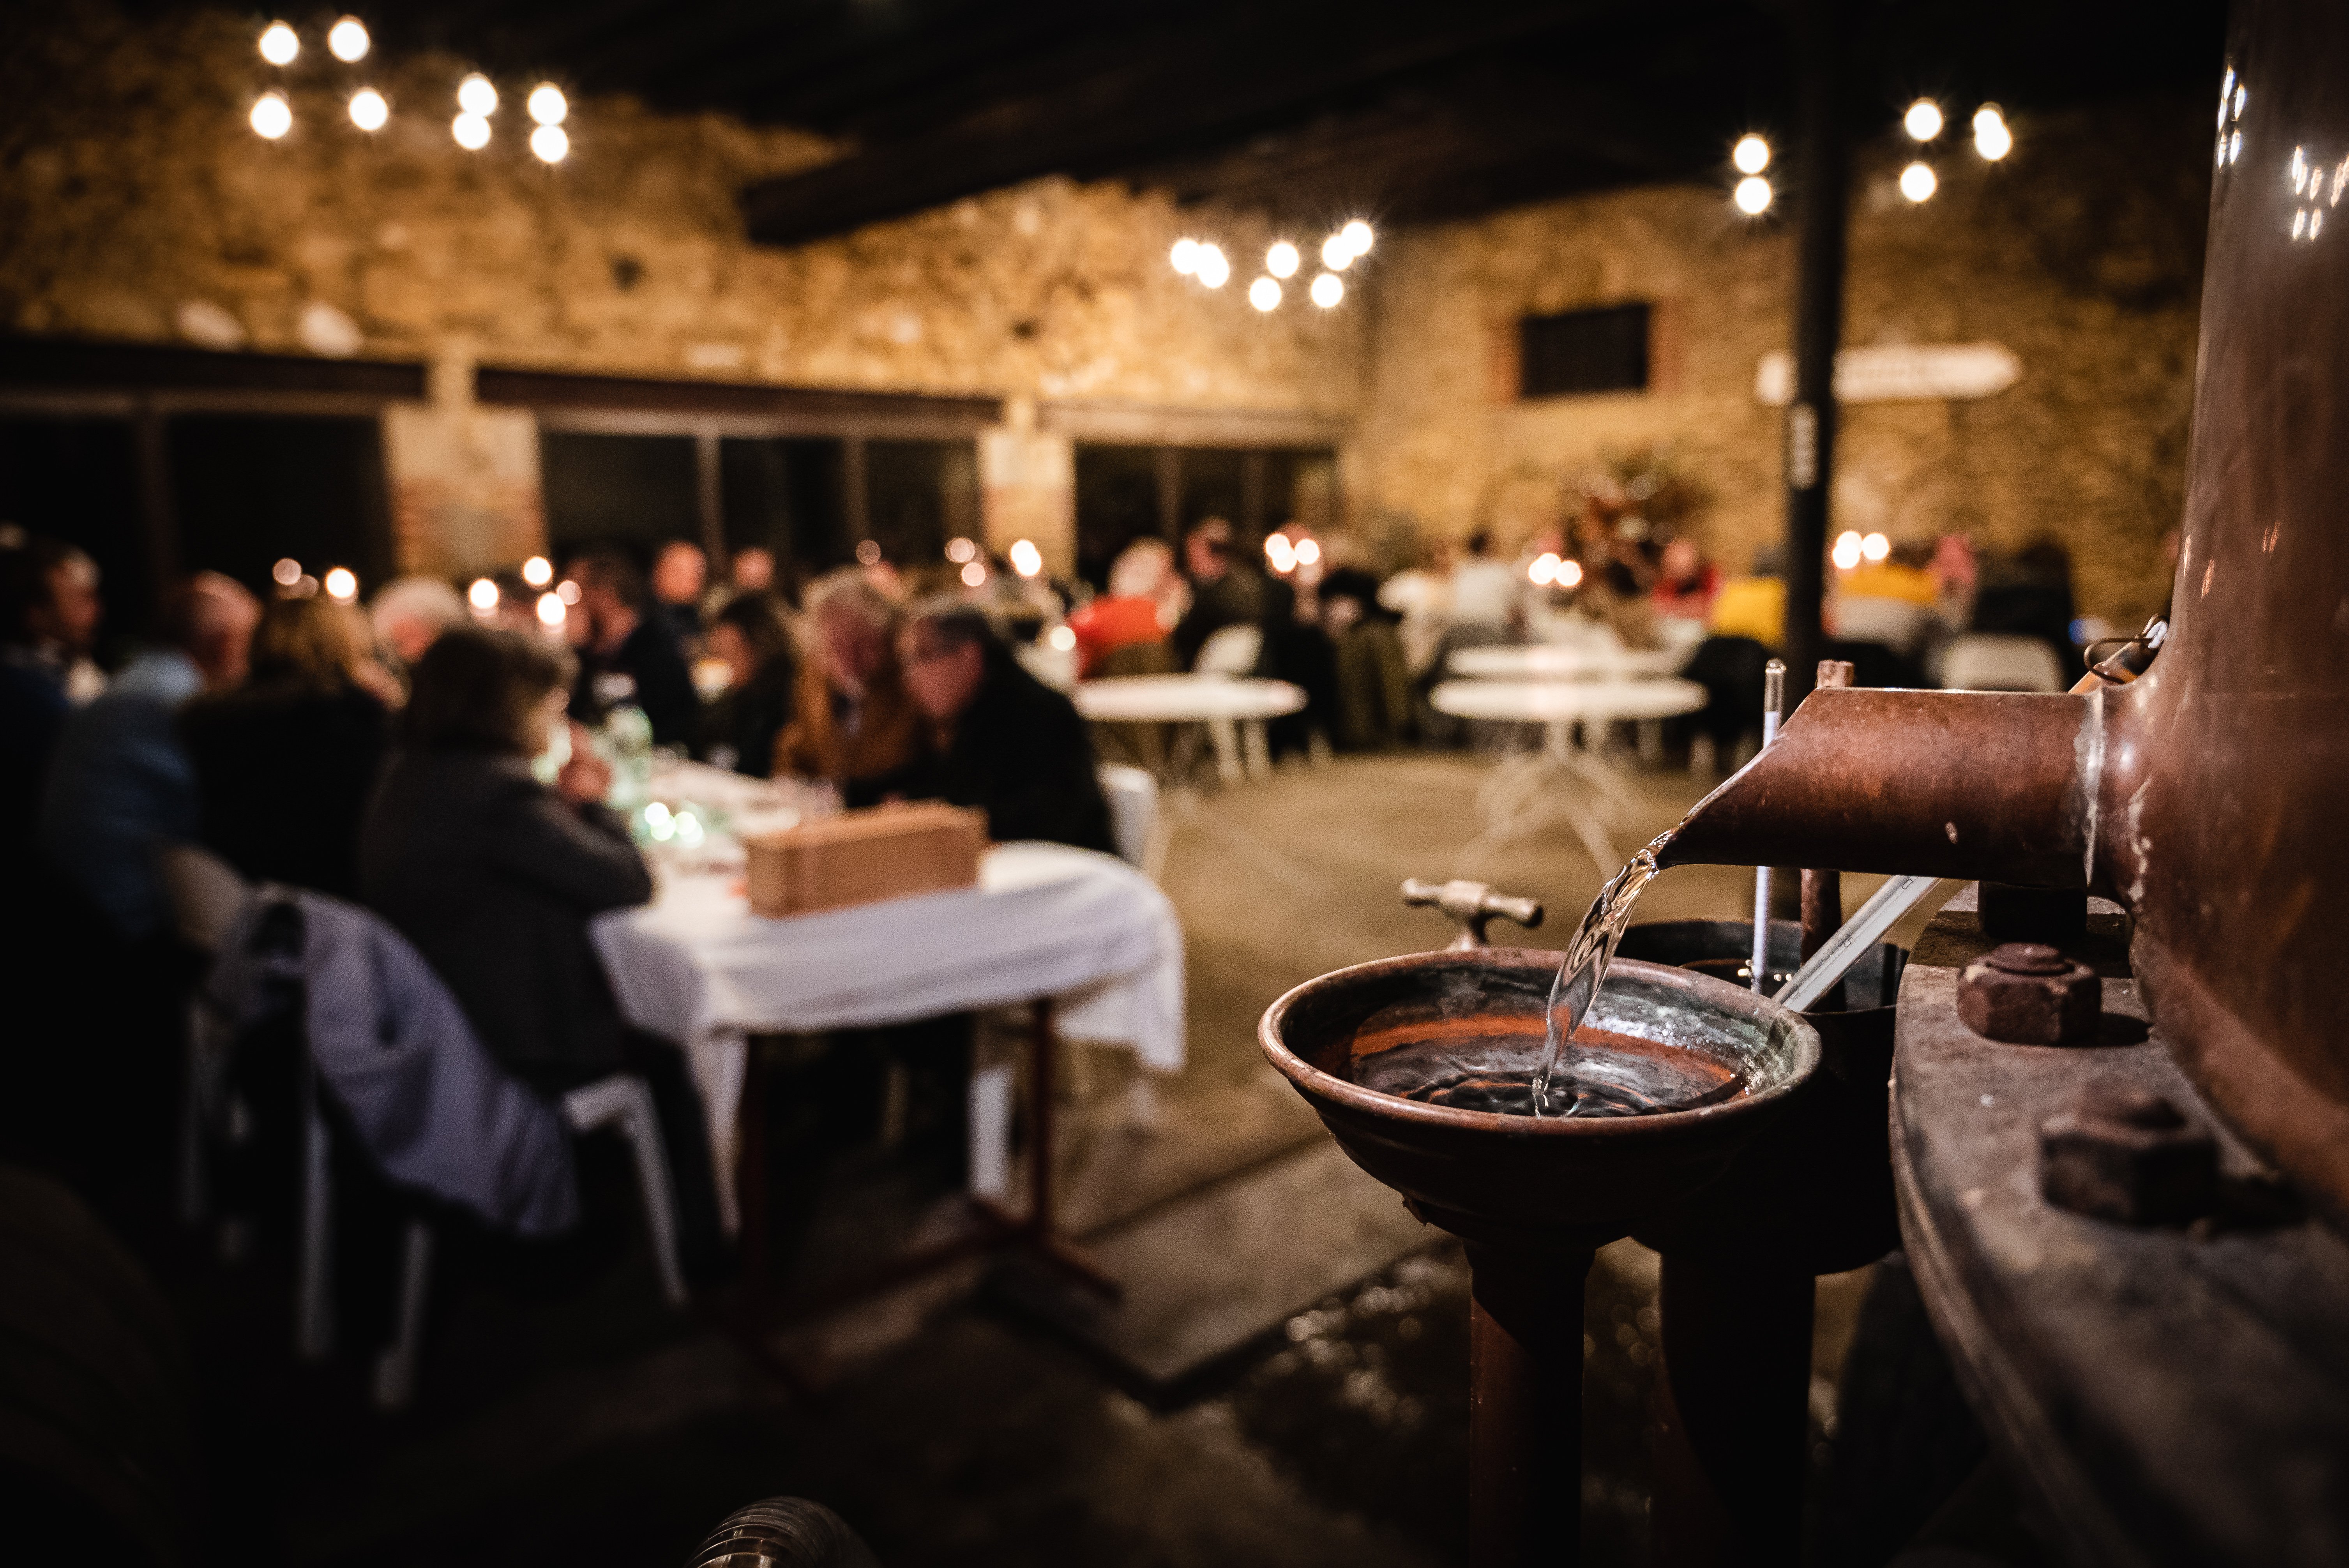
[(1563, 661), (1234, 709), (1087, 940), (1571, 713)]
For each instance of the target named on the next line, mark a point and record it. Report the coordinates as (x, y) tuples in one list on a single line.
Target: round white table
[(1520, 794), (1233, 707), (1564, 662)]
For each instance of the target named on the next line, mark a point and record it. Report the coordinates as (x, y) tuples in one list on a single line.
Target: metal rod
[(1525, 1404), (1825, 969), (1823, 192), (1773, 700)]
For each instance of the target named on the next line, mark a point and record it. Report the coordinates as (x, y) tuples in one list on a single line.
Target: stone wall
[(2081, 253), (132, 188)]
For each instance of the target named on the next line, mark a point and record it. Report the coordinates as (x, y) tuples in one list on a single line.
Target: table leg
[(750, 1173), (1256, 749), (1042, 1235), (1226, 736)]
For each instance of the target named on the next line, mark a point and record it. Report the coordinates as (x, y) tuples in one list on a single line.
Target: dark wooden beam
[(84, 364)]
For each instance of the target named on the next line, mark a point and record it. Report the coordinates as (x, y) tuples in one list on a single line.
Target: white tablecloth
[(697, 966), (1174, 699)]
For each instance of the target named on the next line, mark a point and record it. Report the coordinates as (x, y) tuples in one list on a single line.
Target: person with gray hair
[(410, 613), (1004, 742), (853, 723)]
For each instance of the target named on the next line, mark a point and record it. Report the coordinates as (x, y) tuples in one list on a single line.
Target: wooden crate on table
[(862, 857)]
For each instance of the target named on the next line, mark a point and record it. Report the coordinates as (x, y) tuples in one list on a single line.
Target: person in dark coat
[(494, 877), (1005, 742), (627, 653), (286, 762), (740, 729)]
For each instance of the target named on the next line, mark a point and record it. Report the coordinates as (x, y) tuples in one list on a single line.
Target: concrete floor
[(599, 1428)]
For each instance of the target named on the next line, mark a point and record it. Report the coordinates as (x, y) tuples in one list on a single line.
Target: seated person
[(120, 784), (1222, 591), (738, 730), (49, 611), (494, 878), (1006, 743), (627, 653), (286, 762), (410, 613), (681, 575), (851, 722), (1134, 611), (1685, 583)]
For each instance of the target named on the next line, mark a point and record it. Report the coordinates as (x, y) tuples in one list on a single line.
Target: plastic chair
[(1989, 661), (1141, 832), (206, 898), (1230, 651), (1241, 747)]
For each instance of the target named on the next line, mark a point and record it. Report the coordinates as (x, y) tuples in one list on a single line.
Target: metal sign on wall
[(1890, 373)]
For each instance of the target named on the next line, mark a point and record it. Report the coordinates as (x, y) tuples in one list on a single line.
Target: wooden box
[(862, 857)]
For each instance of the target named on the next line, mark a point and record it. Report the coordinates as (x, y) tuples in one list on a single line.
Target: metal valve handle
[(1472, 907)]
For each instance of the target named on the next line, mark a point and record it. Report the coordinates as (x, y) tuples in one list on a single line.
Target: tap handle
[(1472, 907)]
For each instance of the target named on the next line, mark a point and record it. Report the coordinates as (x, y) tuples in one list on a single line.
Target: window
[(1582, 351)]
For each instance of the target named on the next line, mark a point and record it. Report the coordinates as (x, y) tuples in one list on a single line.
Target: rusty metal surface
[(2028, 993), (2128, 1155), (2179, 1394)]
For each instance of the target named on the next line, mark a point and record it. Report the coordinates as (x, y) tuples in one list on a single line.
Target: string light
[(472, 131), (347, 40), (551, 142), (552, 611), (1992, 140), (1753, 195), (1923, 120), (1265, 295), (279, 44), (272, 117), (286, 572), (1308, 551), (1876, 547), (538, 572), (547, 104), (342, 584), (974, 574), (484, 597), (960, 550), (1280, 553), (368, 110), (567, 591), (1281, 260), (1026, 559), (1569, 573), (1335, 254), (1544, 570), (1750, 155), (1062, 638), (1185, 257), (1214, 270), (1357, 235), (478, 95), (1327, 291), (1846, 553), (1917, 183)]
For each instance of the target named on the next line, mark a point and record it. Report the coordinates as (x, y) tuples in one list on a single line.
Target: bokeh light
[(368, 110), (472, 131), (342, 584), (1753, 195), (1992, 140), (1327, 291), (551, 143), (1918, 182), (477, 95), (482, 596), (538, 572), (1264, 294), (272, 117), (347, 40), (1923, 120), (1281, 260), (1026, 559), (547, 104), (279, 44), (1214, 269), (1752, 154)]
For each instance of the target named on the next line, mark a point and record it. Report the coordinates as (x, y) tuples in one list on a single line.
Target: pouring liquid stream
[(1584, 970)]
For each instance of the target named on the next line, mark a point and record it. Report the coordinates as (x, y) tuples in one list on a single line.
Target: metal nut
[(2129, 1156), (2029, 994)]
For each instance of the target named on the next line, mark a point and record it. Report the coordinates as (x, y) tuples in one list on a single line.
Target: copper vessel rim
[(1322, 1085)]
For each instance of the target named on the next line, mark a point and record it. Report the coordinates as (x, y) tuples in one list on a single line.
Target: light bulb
[(1753, 195), (1327, 291), (547, 104), (1062, 638), (1213, 270), (1874, 547), (538, 572), (1026, 559), (1280, 553), (286, 572), (271, 117), (1923, 120), (1357, 235), (342, 584), (482, 596), (1265, 295), (1544, 570), (347, 40), (1917, 183), (472, 131), (1335, 254), (552, 612), (1308, 551), (1185, 257), (551, 142), (1846, 553), (1992, 140), (1569, 573), (369, 111), (1280, 261), (279, 44), (477, 95), (1752, 154)]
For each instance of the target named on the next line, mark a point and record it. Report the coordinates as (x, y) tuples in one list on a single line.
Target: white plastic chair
[(1241, 746), (1140, 832), (1230, 651), (1983, 661)]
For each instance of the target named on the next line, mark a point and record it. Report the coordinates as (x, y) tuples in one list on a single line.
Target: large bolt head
[(2127, 1155), (2028, 995)]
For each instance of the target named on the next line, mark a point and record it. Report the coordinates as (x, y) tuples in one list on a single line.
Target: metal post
[(1525, 1404), (854, 498), (1810, 428), (1823, 889), (710, 499), (1170, 493), (1773, 702)]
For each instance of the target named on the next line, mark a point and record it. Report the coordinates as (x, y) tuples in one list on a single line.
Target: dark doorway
[(789, 495), (639, 491), (248, 491), (76, 480), (1117, 503), (918, 495)]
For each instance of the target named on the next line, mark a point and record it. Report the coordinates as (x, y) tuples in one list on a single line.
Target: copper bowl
[(1520, 1181)]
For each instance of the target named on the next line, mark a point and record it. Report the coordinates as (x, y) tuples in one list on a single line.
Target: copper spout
[(1921, 783)]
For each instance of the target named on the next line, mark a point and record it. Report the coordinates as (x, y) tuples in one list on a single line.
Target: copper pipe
[(1823, 889), (1525, 1404), (1929, 783)]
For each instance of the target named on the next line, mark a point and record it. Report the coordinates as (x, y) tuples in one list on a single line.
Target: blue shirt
[(119, 785)]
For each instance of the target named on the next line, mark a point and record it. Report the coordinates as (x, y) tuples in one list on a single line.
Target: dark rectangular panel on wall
[(78, 479), (787, 494), (1117, 503), (637, 492), (1582, 351), (249, 491), (1215, 484), (918, 494)]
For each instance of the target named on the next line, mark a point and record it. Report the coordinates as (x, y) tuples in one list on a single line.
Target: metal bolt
[(2026, 993), (2128, 1156)]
